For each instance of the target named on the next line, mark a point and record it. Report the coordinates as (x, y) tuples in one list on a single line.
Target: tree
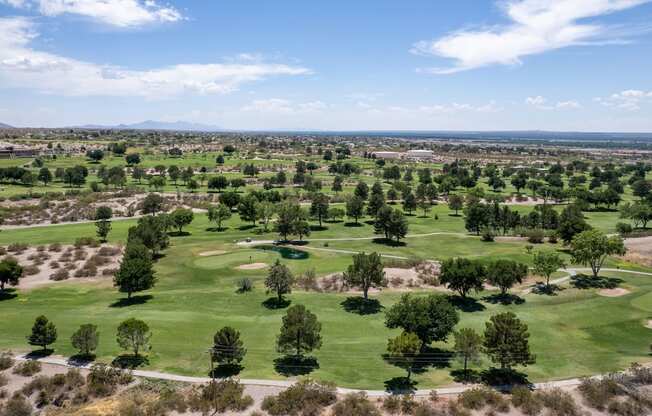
[(290, 218), (218, 182), (103, 215), (265, 212), (455, 203), (152, 204), (365, 272), (45, 176), (506, 273), (382, 221), (300, 332), (506, 341), (95, 155), (10, 272), (228, 348), (403, 350), (230, 199), (476, 217), (571, 223), (431, 318), (337, 184), (247, 209), (642, 188), (463, 275), (136, 271), (151, 231), (376, 199), (218, 214), (181, 217), (85, 339), (319, 207), (640, 212), (468, 346), (409, 203), (397, 226), (519, 181), (229, 149), (132, 159), (173, 173), (355, 207), (134, 334), (361, 190), (43, 333), (546, 263), (279, 280), (219, 159), (592, 247)]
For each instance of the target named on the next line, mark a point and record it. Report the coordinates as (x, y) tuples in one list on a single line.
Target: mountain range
[(156, 125), (5, 126)]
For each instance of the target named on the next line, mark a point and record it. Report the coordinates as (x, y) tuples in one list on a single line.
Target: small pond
[(285, 252)]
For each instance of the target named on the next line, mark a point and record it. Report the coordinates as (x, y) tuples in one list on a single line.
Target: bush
[(86, 241), (307, 397), (392, 404), (598, 393), (103, 380), (245, 285), (61, 274), (4, 380), (56, 247), (535, 236), (355, 404), (629, 407), (27, 368), (17, 248), (425, 409), (523, 399), (624, 228), (6, 360), (558, 402), (30, 270), (488, 235), (479, 397), (219, 397), (18, 405), (553, 238)]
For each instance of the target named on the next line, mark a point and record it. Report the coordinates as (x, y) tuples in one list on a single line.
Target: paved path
[(60, 361)]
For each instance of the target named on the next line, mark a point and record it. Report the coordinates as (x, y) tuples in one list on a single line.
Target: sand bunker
[(252, 266), (649, 324), (613, 293), (212, 253)]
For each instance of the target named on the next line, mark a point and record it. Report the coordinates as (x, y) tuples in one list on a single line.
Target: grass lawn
[(574, 333)]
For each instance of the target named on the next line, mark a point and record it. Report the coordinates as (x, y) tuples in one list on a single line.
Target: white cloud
[(629, 100), (541, 103), (568, 105), (437, 109), (24, 67), (537, 26), (536, 101), (120, 13), (284, 107)]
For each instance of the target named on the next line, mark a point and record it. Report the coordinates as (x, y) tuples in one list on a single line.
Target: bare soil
[(212, 253), (252, 266), (613, 293), (639, 250)]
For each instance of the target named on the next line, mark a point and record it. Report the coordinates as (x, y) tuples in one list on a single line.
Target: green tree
[(247, 209), (95, 155), (365, 272), (181, 217), (463, 275), (476, 217), (279, 280), (455, 203), (85, 339), (397, 226), (319, 207), (132, 159), (300, 332), (361, 190), (228, 348), (355, 207), (431, 317), (43, 333), (218, 182), (174, 173), (571, 223), (546, 263), (592, 247), (409, 203), (45, 176), (506, 341), (152, 204), (103, 215), (404, 350), (152, 232), (10, 272), (468, 346), (134, 334), (382, 221), (218, 214), (136, 271), (265, 212), (376, 199), (506, 273)]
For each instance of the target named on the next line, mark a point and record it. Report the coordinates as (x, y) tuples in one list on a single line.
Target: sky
[(565, 65)]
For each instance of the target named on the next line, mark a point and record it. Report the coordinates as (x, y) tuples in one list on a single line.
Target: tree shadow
[(370, 222), (179, 233), (134, 300), (503, 378), (468, 376), (388, 242), (318, 228), (504, 299), (80, 360), (246, 227), (37, 354), (226, 371), (276, 303), (466, 304), (353, 224), (549, 290), (292, 365), (583, 281), (431, 357), (400, 385), (361, 306), (129, 361), (216, 229), (8, 294)]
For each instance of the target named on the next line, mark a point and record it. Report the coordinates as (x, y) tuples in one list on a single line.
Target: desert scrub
[(27, 368)]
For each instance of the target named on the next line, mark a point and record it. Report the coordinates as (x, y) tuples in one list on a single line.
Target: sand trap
[(252, 266), (649, 324), (613, 293), (211, 253)]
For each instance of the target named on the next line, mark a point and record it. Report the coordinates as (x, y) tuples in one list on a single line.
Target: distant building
[(10, 151), (420, 154), (387, 155)]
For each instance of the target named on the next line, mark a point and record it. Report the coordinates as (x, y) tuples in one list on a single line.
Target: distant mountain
[(157, 125), (6, 126)]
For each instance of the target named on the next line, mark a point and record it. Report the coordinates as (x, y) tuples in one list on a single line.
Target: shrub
[(307, 397), (86, 241), (56, 247), (31, 270), (219, 397), (61, 274), (392, 404), (108, 251), (6, 360), (355, 404), (479, 397), (103, 380), (245, 285), (598, 393), (624, 228), (553, 238), (558, 402), (488, 235), (629, 407), (4, 380), (18, 405), (426, 409), (535, 236), (27, 368), (54, 264), (17, 248)]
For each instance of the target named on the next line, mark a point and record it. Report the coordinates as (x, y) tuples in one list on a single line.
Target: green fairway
[(574, 333)]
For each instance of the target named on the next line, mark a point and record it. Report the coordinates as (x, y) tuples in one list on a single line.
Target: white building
[(420, 154), (387, 155)]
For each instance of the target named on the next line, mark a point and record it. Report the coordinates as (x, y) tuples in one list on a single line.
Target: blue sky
[(339, 65)]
